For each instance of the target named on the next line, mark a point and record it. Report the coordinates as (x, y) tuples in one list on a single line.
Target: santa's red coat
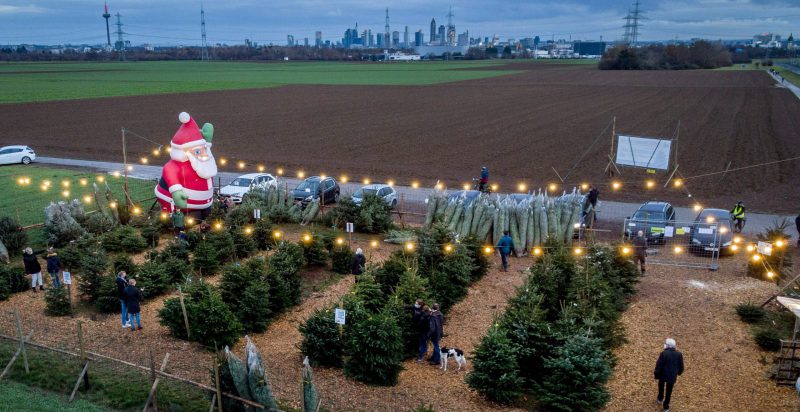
[(180, 176)]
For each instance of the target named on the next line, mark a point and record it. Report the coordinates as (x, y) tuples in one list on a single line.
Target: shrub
[(98, 223), (243, 242), (450, 281), (94, 264), (389, 275), (124, 263), (531, 334), (57, 302), (175, 249), (321, 341), (124, 239), (152, 279), (262, 233), (236, 278), (72, 253), (151, 232), (283, 276), (60, 226), (223, 244), (12, 235), (576, 378), (241, 215), (108, 297), (314, 251), (374, 215), (369, 292), (254, 309), (375, 349), (176, 270), (12, 280), (480, 261), (552, 275), (494, 368), (211, 322), (768, 339), (342, 259), (205, 259), (750, 313)]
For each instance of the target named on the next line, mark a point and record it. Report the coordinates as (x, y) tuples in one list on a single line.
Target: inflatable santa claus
[(185, 182)]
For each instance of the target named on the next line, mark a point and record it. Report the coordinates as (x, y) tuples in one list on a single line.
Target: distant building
[(442, 36), (351, 39), (289, 40), (370, 39), (463, 39), (767, 40), (405, 38), (305, 41), (380, 41), (433, 30), (589, 48), (395, 39), (318, 39), (419, 38)]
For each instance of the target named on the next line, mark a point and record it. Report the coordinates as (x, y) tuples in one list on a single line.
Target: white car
[(387, 192), (16, 154), (245, 183)]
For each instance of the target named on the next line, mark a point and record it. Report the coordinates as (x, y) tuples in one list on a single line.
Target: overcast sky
[(169, 22)]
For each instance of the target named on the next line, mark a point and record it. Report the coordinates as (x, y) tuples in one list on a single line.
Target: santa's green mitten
[(180, 198)]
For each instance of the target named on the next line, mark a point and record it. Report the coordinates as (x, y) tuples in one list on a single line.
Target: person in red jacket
[(185, 182)]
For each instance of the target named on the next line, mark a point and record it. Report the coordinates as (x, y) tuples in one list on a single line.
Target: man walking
[(122, 283), (668, 367), (33, 268), (504, 247), (738, 216), (640, 250), (54, 267), (435, 332), (132, 298)]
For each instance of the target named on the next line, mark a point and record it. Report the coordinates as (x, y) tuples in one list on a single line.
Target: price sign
[(349, 227), (339, 316), (256, 213), (67, 278)]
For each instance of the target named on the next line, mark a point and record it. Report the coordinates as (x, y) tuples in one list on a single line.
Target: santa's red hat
[(188, 135)]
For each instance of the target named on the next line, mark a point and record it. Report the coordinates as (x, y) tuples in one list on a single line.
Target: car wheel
[(394, 203), (26, 160)]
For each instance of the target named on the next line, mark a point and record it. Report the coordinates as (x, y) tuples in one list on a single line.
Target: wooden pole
[(217, 384), (185, 316), (82, 353), (213, 402), (151, 397), (21, 340), (78, 382), (125, 166), (14, 358)]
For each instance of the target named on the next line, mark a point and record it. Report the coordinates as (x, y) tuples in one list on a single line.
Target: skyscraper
[(441, 38), (290, 40), (433, 30), (419, 38), (395, 39), (405, 38), (318, 39), (380, 41)]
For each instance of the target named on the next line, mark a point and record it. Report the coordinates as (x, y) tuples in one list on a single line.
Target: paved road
[(786, 83), (607, 210)]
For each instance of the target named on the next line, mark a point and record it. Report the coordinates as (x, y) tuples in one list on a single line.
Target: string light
[(616, 185), (143, 160), (115, 173), (279, 171), (156, 152), (365, 181), (439, 186), (678, 250), (521, 187), (770, 274), (552, 187), (87, 199), (84, 182), (488, 250), (261, 168), (21, 181), (130, 168), (301, 174), (136, 210), (222, 161), (626, 250), (779, 243), (44, 187), (723, 230), (339, 241), (650, 184), (164, 215), (710, 219), (190, 221), (466, 186), (65, 193), (750, 248), (756, 258), (248, 230), (577, 251), (677, 182), (584, 186), (169, 149), (241, 165), (448, 248), (697, 207), (737, 239), (112, 205), (374, 243), (415, 185), (343, 179), (390, 183), (46, 183), (65, 183), (409, 246), (537, 251), (734, 248), (276, 234), (768, 250), (307, 237), (494, 187)]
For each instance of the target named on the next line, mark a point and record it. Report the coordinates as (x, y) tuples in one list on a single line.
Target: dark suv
[(314, 187), (651, 218)]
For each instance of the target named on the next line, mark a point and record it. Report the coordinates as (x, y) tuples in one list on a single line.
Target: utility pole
[(120, 40), (106, 16), (204, 50)]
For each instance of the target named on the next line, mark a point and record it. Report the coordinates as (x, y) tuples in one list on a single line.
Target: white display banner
[(643, 152)]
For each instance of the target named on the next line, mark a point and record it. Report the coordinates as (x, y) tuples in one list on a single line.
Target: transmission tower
[(204, 49), (633, 23), (120, 40), (451, 30), (387, 36)]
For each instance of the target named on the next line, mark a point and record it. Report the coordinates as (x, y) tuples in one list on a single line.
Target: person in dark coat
[(668, 367), (359, 262), (419, 319), (132, 298), (797, 223), (122, 283), (54, 267), (640, 250), (504, 246), (33, 268), (435, 332)]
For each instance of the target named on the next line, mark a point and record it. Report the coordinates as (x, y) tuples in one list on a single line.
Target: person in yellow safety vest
[(738, 217)]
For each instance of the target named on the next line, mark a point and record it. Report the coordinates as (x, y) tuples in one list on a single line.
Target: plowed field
[(520, 125)]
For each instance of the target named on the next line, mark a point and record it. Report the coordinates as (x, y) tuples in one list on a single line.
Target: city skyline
[(172, 22)]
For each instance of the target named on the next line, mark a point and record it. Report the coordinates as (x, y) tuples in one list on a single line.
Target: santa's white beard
[(206, 169)]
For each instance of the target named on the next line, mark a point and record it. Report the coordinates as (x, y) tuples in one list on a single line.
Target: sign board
[(643, 152), (339, 316), (256, 213), (349, 227), (67, 278), (764, 248), (669, 231)]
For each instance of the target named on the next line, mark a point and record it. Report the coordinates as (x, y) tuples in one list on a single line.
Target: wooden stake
[(13, 358), (151, 397), (213, 402), (185, 316), (217, 385), (21, 340), (78, 382)]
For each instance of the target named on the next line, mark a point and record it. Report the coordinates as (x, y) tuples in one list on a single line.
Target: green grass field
[(37, 82), (18, 397), (26, 202)]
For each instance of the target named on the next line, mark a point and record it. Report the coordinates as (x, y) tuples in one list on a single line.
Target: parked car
[(651, 218), (386, 192), (315, 187), (16, 154), (711, 232), (245, 183)]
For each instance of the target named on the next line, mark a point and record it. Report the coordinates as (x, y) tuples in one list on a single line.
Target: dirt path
[(725, 369)]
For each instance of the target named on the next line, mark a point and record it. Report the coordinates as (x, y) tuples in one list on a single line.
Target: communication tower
[(106, 16), (204, 45)]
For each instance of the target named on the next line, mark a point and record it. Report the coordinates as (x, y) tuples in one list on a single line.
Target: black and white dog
[(445, 353)]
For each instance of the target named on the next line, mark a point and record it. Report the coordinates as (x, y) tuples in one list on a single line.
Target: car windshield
[(241, 182), (648, 215), (364, 192), (308, 186)]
